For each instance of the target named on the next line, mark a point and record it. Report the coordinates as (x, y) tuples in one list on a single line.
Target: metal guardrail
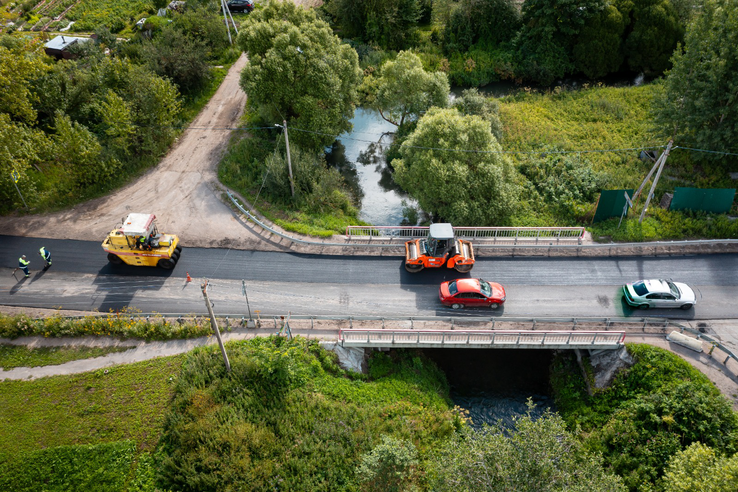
[(508, 339), (714, 343), (478, 233), (609, 247)]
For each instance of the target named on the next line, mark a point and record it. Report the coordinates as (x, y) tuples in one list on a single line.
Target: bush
[(656, 408), (119, 325)]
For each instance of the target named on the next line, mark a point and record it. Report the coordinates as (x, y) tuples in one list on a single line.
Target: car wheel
[(456, 306), (687, 306), (494, 305), (643, 306)]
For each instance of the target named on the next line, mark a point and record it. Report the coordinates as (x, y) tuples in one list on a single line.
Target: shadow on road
[(117, 285)]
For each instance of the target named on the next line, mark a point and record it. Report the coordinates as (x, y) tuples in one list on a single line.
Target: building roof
[(61, 42)]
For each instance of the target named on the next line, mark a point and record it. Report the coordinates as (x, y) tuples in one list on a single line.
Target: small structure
[(59, 46)]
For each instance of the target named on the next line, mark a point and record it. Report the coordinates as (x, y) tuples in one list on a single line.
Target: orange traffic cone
[(189, 279)]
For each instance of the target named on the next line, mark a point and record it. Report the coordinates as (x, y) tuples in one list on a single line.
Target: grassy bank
[(550, 136), (286, 416), (253, 167), (20, 356)]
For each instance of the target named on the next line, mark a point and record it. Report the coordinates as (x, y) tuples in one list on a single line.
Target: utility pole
[(224, 8), (655, 180), (289, 160), (250, 323), (214, 324)]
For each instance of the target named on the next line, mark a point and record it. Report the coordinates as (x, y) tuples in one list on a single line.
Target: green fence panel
[(611, 204), (717, 200)]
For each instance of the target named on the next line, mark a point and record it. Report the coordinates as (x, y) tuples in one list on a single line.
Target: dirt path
[(183, 190)]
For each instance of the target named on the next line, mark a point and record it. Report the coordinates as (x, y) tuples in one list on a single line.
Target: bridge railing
[(481, 338), (505, 234)]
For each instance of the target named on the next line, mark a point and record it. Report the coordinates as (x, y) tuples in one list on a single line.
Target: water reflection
[(359, 157)]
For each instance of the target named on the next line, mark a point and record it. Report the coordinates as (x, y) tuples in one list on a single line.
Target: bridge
[(499, 339)]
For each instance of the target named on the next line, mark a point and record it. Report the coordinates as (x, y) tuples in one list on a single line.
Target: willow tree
[(452, 165), (300, 71)]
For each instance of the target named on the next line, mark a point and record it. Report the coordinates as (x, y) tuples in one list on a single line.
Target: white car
[(659, 293)]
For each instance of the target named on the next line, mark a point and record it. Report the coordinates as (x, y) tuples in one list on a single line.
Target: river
[(495, 384), (359, 157)]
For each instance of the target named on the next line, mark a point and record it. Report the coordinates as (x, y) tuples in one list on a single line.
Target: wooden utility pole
[(214, 324), (663, 158), (289, 160)]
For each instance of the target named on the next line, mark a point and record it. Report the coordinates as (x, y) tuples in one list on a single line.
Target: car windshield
[(485, 288), (640, 288), (674, 289), (452, 289)]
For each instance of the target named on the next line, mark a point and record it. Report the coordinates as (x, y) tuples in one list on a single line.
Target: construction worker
[(141, 242), (46, 255), (23, 265)]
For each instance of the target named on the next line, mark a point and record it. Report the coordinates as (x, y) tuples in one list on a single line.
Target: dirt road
[(182, 191)]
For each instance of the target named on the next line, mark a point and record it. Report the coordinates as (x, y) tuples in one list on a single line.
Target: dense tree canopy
[(404, 89), (699, 467), (299, 71), (469, 185), (488, 22), (537, 455), (598, 50), (550, 29), (700, 103), (654, 33), (390, 24)]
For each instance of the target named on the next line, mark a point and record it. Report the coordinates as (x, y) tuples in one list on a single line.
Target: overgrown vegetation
[(21, 356), (652, 411), (114, 324), (256, 167), (287, 417)]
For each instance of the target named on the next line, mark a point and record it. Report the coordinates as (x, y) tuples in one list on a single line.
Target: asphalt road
[(82, 279)]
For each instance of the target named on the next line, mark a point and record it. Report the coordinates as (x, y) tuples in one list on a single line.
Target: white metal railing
[(481, 339), (485, 233)]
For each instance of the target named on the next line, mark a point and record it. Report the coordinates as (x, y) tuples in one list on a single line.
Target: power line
[(471, 151)]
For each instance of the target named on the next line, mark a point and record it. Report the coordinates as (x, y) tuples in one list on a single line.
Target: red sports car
[(471, 292)]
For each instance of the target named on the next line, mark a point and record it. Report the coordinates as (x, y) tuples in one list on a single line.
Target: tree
[(536, 455), (299, 71), (404, 89), (389, 466), (481, 21), (654, 33), (598, 50), (451, 164), (699, 106), (17, 70), (699, 468), (180, 57), (390, 24), (472, 102), (20, 148), (550, 29)]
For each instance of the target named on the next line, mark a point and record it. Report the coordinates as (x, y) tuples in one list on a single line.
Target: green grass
[(119, 403), (20, 356)]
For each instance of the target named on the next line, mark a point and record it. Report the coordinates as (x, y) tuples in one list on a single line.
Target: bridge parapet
[(504, 339)]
